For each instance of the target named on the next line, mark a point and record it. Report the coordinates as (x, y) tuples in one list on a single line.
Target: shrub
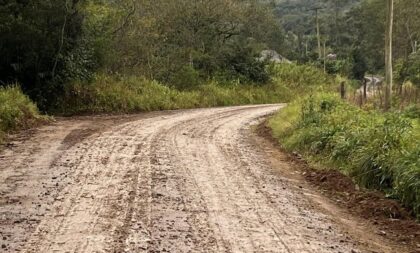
[(186, 78), (378, 150), (16, 111), (412, 111), (302, 78)]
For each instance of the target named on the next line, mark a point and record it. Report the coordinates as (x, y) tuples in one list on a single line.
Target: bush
[(186, 78), (302, 78), (16, 111), (379, 151), (412, 111), (238, 62), (409, 70)]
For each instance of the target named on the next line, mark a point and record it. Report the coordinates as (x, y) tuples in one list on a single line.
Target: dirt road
[(187, 181)]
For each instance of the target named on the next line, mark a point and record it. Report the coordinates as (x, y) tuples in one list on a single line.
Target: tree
[(388, 54), (163, 37), (40, 42), (407, 28), (359, 66)]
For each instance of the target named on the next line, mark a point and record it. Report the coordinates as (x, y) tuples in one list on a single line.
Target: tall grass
[(16, 111), (111, 94), (380, 151)]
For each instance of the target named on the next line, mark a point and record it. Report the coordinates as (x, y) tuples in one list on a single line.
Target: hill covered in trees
[(354, 30)]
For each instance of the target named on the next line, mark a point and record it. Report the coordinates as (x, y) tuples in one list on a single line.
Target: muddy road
[(186, 181)]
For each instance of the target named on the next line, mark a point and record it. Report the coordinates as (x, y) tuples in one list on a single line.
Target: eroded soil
[(185, 181)]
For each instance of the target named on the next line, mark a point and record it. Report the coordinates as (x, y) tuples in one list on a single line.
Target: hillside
[(297, 18)]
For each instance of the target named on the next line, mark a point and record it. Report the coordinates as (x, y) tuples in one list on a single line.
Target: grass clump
[(379, 151), (17, 111)]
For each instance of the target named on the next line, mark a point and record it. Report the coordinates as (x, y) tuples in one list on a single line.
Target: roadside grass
[(130, 94), (380, 151), (133, 94), (17, 111)]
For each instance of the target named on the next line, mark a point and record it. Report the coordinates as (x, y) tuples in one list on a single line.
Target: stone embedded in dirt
[(381, 232)]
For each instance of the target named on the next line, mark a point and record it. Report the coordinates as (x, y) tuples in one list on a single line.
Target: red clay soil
[(392, 220)]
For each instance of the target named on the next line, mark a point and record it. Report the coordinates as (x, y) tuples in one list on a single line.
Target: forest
[(78, 57)]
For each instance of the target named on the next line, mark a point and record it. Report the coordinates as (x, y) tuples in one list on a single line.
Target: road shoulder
[(379, 223)]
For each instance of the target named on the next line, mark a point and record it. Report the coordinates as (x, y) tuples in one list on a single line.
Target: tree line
[(48, 43)]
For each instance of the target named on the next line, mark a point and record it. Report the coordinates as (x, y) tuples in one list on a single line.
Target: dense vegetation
[(17, 111), (354, 31), (46, 44), (133, 94), (379, 150)]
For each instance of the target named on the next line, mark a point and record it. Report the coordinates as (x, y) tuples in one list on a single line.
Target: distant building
[(332, 57), (272, 56)]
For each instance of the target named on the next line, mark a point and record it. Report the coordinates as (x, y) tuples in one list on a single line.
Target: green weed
[(16, 111), (378, 150)]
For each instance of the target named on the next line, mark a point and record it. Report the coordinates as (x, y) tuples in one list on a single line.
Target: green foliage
[(409, 70), (346, 25), (298, 20), (133, 94), (40, 45), (16, 111), (301, 79), (240, 62), (360, 67), (412, 111), (219, 39), (46, 44), (379, 150), (342, 67), (186, 78)]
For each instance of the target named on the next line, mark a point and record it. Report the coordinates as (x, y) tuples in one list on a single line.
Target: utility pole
[(336, 24), (318, 34), (325, 57), (388, 54)]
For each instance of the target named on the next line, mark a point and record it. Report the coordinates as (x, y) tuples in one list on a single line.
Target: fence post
[(342, 90)]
